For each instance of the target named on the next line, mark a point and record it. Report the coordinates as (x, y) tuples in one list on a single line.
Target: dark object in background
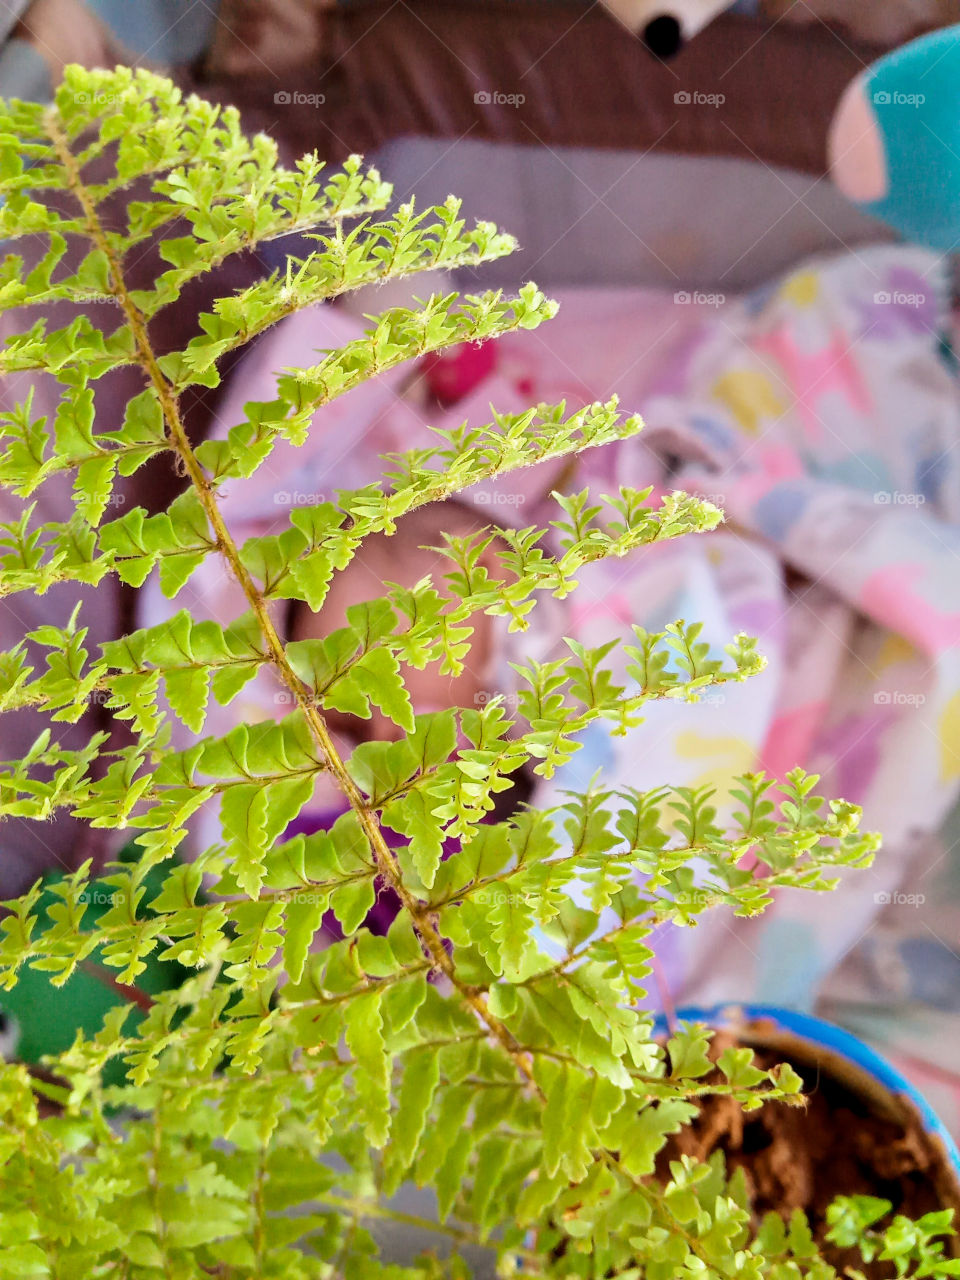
[(663, 37)]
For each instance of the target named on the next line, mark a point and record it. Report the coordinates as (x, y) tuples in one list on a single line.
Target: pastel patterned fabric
[(825, 411), (822, 414)]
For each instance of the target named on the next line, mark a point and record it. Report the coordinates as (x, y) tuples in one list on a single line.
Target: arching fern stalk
[(491, 1045)]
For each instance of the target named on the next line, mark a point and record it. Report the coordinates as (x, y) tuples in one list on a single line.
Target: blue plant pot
[(803, 1038)]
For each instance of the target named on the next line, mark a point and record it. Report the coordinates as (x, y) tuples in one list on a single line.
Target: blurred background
[(664, 168)]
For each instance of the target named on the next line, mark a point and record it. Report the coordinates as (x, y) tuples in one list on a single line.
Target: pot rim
[(837, 1042)]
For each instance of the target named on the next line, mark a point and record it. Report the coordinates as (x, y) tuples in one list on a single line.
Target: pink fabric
[(820, 414)]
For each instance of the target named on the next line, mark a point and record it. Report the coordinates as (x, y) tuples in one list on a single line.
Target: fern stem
[(420, 913), (169, 404)]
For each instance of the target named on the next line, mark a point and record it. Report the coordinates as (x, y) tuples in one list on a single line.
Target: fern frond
[(493, 1043)]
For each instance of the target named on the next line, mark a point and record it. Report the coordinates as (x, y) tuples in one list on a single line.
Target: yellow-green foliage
[(277, 1099)]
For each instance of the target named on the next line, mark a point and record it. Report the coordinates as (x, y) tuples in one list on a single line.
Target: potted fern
[(272, 1104)]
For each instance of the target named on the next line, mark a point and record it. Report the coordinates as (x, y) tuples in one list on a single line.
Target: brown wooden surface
[(392, 69)]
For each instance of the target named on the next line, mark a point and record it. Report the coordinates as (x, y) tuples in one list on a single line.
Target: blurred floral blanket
[(822, 414)]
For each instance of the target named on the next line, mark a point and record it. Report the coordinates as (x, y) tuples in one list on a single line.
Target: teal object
[(836, 1041), (48, 1017), (914, 93)]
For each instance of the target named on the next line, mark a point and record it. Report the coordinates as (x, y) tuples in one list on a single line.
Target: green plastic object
[(49, 1017)]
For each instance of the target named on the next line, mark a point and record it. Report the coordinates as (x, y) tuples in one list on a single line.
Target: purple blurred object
[(384, 910)]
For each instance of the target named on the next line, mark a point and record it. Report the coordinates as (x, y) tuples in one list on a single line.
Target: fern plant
[(493, 1045)]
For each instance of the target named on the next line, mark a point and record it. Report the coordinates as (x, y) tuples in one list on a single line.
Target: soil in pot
[(839, 1144)]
